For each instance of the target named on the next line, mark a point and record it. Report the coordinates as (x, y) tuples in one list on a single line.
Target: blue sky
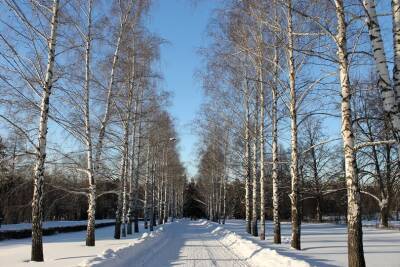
[(184, 25)]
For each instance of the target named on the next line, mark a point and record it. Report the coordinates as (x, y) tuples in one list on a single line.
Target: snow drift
[(136, 249), (254, 254)]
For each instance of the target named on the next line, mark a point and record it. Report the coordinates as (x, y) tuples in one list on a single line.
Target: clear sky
[(184, 25)]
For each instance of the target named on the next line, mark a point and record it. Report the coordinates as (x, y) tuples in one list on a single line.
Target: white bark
[(161, 190), (137, 173), (293, 126), (125, 167), (247, 160), (225, 177), (90, 233), (355, 245), (256, 143), (133, 141), (38, 180), (275, 158), (165, 171), (146, 189), (160, 193), (262, 174), (152, 219), (396, 49), (388, 94)]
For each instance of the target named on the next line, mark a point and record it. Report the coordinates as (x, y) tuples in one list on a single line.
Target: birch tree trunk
[(256, 143), (261, 137), (390, 104), (133, 142), (295, 216), (275, 178), (160, 191), (165, 214), (225, 177), (146, 189), (224, 201), (120, 204), (396, 50), (38, 180), (117, 226), (152, 219), (88, 133), (209, 208), (247, 159), (221, 183), (212, 197), (137, 173), (159, 197), (354, 239), (126, 166)]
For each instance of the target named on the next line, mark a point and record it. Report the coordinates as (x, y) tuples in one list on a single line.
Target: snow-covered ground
[(66, 249), (394, 224), (48, 224), (201, 243), (326, 244)]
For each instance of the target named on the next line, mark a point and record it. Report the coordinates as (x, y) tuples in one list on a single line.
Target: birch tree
[(247, 158), (37, 208), (87, 107), (295, 217), (275, 155), (354, 239)]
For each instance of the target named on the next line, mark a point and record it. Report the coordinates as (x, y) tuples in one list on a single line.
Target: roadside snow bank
[(254, 253), (143, 248)]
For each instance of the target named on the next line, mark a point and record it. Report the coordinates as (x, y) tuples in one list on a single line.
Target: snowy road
[(193, 244), (196, 243)]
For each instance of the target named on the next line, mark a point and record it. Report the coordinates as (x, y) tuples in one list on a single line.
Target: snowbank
[(252, 252), (141, 248)]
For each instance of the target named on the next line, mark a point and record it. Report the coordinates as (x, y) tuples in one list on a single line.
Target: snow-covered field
[(48, 224), (201, 243)]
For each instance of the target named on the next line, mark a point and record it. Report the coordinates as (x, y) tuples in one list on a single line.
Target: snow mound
[(252, 252), (119, 256)]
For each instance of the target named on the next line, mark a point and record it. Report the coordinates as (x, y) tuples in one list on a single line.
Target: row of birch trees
[(307, 85), (79, 89)]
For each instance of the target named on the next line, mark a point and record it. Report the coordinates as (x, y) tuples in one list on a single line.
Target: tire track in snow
[(222, 250), (191, 244)]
